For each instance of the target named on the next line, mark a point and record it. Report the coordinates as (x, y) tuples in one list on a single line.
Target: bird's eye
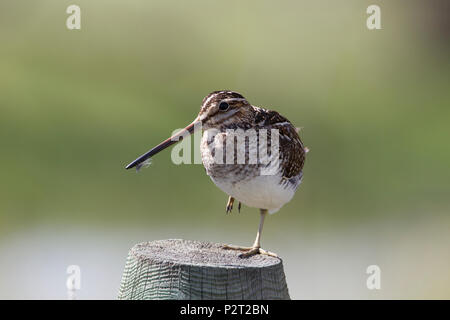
[(223, 106)]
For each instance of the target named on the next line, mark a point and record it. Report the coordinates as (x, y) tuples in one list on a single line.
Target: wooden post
[(182, 269)]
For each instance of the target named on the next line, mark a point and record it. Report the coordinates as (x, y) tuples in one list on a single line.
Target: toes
[(269, 253), (229, 206), (231, 247), (249, 253)]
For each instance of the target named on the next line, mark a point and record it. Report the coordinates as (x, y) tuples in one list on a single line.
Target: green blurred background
[(78, 105)]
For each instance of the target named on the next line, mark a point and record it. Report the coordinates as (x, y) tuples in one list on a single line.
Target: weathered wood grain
[(182, 269)]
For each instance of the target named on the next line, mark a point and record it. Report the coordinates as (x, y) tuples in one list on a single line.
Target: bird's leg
[(256, 248), (239, 207), (230, 204)]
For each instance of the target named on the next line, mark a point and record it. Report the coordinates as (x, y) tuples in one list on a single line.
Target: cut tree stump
[(182, 269)]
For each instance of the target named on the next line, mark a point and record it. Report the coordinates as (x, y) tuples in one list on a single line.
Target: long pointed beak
[(166, 143)]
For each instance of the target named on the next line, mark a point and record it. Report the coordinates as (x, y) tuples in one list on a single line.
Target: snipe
[(252, 154)]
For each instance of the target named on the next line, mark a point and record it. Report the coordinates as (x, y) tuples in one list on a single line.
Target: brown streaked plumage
[(228, 112)]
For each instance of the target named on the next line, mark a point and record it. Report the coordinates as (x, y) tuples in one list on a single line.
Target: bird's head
[(219, 108), (222, 108)]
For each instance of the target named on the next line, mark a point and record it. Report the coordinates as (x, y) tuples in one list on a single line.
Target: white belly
[(269, 192), (264, 192)]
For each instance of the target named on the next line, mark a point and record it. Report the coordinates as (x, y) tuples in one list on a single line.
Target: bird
[(267, 183)]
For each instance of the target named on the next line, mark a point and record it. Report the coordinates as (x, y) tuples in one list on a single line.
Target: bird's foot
[(250, 251), (230, 203)]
